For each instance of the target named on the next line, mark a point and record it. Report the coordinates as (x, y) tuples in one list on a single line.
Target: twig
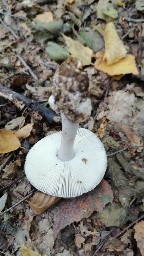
[(27, 67), (5, 162), (21, 201), (129, 226), (134, 20), (102, 243), (118, 151), (12, 183), (10, 29), (129, 31), (21, 102)]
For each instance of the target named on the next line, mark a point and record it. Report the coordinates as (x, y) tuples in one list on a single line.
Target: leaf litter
[(44, 35)]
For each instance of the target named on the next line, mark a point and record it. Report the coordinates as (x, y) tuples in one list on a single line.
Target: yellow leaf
[(139, 235), (114, 47), (78, 51), (126, 65), (8, 141), (27, 252), (44, 17), (24, 132)]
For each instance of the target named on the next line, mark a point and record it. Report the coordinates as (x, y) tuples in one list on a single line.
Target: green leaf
[(56, 52), (92, 39)]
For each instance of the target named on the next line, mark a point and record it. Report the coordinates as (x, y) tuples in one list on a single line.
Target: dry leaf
[(44, 17), (74, 209), (15, 123), (134, 139), (102, 5), (24, 132), (3, 200), (8, 141), (11, 168), (126, 65), (27, 252), (139, 236), (40, 202), (114, 47), (78, 51)]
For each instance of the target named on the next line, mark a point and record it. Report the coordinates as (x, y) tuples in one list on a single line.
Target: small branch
[(21, 101), (10, 29), (12, 183), (134, 20), (118, 151), (21, 201), (129, 31), (27, 67), (5, 162), (129, 226)]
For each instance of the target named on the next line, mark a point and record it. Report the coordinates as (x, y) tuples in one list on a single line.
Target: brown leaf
[(134, 139), (139, 236), (40, 202), (44, 17), (8, 141), (24, 132), (75, 209)]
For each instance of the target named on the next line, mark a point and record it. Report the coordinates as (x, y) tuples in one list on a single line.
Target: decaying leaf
[(120, 106), (73, 210), (15, 123), (8, 141), (78, 51), (24, 132), (44, 17), (125, 66), (114, 47), (27, 252), (3, 200), (40, 202), (112, 215), (11, 169), (134, 139), (105, 10), (139, 236), (56, 52), (139, 5)]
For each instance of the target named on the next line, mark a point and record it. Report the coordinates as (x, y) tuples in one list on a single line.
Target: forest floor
[(36, 37)]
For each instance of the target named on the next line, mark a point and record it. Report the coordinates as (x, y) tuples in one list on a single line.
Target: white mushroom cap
[(66, 178)]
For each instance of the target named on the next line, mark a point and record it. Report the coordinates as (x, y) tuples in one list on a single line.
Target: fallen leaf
[(11, 168), (15, 123), (139, 4), (112, 215), (139, 236), (8, 141), (3, 200), (24, 132), (44, 17), (27, 252), (114, 47), (126, 65), (134, 139), (79, 240), (75, 209), (40, 202), (56, 52), (92, 39), (78, 51), (102, 128), (120, 105), (105, 10)]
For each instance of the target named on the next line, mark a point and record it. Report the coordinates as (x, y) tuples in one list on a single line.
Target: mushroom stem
[(69, 131)]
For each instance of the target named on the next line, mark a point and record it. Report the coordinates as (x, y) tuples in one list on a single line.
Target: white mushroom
[(73, 161)]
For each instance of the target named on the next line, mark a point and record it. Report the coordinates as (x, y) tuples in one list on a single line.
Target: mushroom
[(73, 161)]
